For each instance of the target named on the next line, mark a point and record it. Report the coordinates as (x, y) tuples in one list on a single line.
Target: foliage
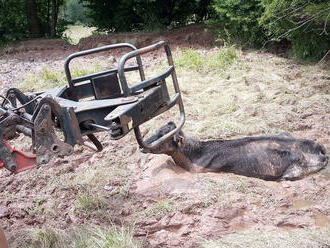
[(190, 59), (304, 23), (90, 203), (112, 15), (47, 78), (239, 20)]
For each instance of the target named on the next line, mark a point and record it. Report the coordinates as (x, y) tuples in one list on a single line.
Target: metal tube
[(3, 111), (27, 116), (89, 76), (24, 130), (93, 125), (91, 51), (138, 52)]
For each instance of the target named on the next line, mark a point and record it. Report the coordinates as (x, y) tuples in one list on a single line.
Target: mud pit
[(168, 206)]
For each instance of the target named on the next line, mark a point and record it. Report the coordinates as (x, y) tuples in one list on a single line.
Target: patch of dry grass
[(301, 238), (157, 209), (116, 237), (256, 94)]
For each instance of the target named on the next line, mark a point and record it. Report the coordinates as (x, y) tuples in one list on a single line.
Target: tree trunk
[(34, 23), (48, 17), (55, 9), (54, 19), (170, 13)]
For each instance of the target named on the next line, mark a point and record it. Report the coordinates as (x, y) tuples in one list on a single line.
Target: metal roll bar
[(177, 99), (72, 82)]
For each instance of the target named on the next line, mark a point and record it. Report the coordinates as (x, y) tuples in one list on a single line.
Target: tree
[(75, 12), (204, 9), (20, 19), (129, 15), (33, 20), (55, 9), (239, 21), (13, 21)]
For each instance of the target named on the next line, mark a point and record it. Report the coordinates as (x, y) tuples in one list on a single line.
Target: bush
[(13, 23), (303, 23), (239, 21)]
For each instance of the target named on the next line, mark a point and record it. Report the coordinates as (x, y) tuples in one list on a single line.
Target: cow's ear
[(178, 139)]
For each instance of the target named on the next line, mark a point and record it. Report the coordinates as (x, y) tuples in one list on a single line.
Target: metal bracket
[(46, 142)]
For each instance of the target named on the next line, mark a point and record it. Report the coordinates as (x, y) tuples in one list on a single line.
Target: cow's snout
[(323, 159)]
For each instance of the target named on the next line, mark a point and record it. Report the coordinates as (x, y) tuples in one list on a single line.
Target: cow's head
[(312, 159), (170, 145)]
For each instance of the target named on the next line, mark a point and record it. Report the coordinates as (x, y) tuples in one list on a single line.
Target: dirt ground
[(165, 205)]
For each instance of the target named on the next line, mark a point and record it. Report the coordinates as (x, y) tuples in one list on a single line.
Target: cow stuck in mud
[(277, 157)]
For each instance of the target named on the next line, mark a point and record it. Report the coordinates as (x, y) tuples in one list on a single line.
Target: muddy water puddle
[(321, 220), (326, 175), (302, 204)]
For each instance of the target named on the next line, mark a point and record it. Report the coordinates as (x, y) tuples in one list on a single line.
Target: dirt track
[(168, 206)]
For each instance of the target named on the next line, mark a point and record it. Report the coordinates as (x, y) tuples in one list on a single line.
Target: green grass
[(45, 79), (206, 62), (49, 77), (158, 209), (90, 203), (299, 238)]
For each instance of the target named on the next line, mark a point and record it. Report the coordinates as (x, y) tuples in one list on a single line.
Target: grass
[(218, 191), (90, 203), (49, 77), (46, 79), (206, 62), (300, 238), (249, 96), (91, 237), (157, 209)]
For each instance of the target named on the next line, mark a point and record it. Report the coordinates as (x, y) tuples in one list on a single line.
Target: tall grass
[(112, 237)]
